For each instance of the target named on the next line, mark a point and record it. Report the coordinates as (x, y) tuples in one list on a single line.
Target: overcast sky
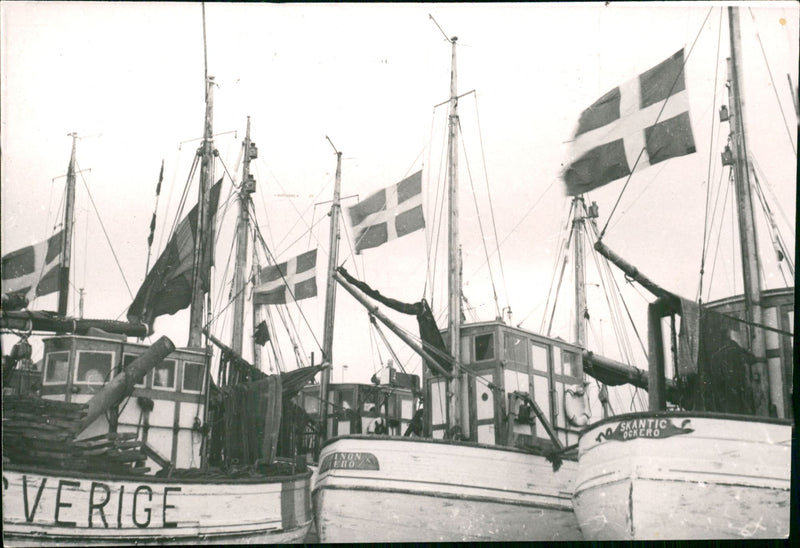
[(129, 79)]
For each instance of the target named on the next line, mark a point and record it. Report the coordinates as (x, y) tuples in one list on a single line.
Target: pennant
[(388, 214), (168, 286), (34, 270), (299, 274), (650, 113), (261, 334)]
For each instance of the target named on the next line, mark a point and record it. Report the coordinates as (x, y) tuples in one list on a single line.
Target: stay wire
[(772, 81), (271, 259), (710, 147), (105, 232), (480, 224), (491, 205)]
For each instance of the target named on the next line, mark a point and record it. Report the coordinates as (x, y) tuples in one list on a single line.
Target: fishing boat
[(492, 459), (114, 442), (711, 458)]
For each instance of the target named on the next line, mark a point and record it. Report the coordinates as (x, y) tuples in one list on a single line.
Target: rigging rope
[(564, 239), (271, 260), (710, 147), (105, 232), (719, 235), (772, 81), (480, 224), (491, 205)]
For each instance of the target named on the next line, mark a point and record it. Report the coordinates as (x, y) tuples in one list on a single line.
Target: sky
[(128, 78)]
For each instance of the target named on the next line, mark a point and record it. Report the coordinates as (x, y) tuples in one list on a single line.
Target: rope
[(480, 224), (271, 259), (772, 81), (560, 258), (491, 206), (719, 235), (708, 176), (105, 233)]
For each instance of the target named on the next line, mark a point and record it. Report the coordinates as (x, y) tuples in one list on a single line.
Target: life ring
[(575, 406)]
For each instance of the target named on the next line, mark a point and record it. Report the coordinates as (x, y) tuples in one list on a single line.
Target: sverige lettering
[(142, 506)]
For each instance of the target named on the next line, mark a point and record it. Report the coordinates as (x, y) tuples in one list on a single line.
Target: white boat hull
[(683, 475), (383, 489), (44, 508)]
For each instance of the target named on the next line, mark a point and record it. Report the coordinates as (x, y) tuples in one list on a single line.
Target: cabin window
[(539, 357), (164, 375), (541, 395), (93, 367), (406, 409), (484, 347), (311, 403), (516, 381), (565, 362), (56, 368), (346, 400), (515, 349), (193, 377), (128, 359)]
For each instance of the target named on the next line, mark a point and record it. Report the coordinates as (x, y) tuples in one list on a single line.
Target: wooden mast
[(66, 242), (242, 236), (765, 384), (458, 405), (203, 245), (580, 272), (330, 294)]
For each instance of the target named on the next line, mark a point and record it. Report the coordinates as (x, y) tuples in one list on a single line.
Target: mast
[(330, 294), (242, 236), (766, 385), (581, 308), (580, 273), (66, 244), (202, 243), (458, 412)]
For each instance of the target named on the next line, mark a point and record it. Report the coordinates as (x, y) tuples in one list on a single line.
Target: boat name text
[(651, 428), (92, 504), (346, 460)]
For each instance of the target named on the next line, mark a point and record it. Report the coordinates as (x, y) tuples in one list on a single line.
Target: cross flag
[(648, 115), (298, 273), (33, 270), (388, 214)]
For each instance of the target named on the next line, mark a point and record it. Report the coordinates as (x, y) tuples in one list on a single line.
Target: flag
[(650, 112), (34, 270), (388, 214), (168, 286), (299, 274)]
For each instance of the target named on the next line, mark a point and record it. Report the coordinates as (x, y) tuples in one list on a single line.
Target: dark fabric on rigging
[(428, 330), (722, 381)]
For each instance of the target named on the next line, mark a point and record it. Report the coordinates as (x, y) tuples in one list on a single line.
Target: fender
[(575, 406)]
